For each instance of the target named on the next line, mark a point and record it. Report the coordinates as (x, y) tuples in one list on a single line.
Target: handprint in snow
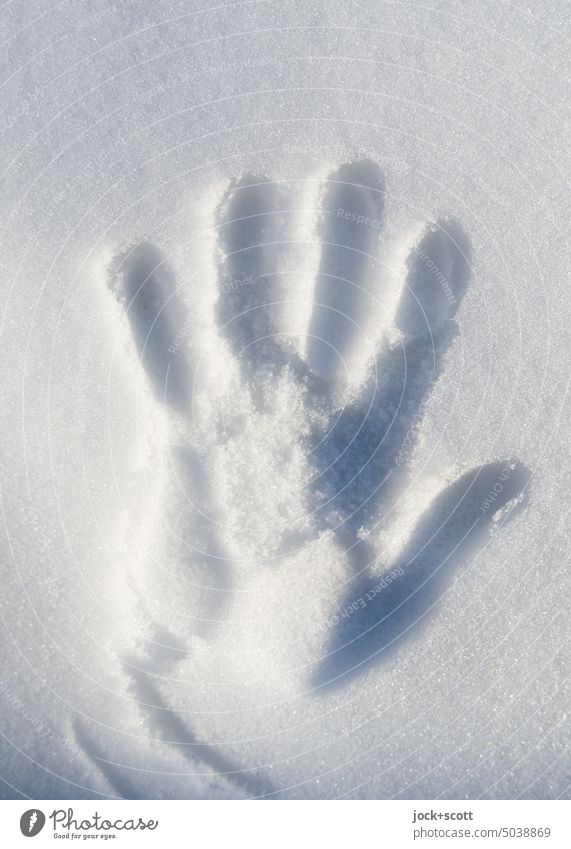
[(352, 447)]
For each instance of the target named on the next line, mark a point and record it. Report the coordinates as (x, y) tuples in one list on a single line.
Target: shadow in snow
[(347, 275), (250, 220), (379, 613), (143, 282), (360, 453)]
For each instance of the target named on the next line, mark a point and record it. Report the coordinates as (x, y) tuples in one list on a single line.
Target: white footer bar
[(289, 824)]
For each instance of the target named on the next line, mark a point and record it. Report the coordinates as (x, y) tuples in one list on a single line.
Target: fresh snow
[(285, 464)]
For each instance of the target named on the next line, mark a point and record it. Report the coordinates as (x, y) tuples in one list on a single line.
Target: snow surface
[(284, 491)]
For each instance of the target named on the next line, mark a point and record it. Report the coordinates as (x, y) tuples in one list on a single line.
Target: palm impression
[(272, 444)]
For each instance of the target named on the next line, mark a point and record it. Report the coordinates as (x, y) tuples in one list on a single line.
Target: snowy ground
[(285, 464)]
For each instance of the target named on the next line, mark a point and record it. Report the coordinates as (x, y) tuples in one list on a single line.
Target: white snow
[(190, 556)]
